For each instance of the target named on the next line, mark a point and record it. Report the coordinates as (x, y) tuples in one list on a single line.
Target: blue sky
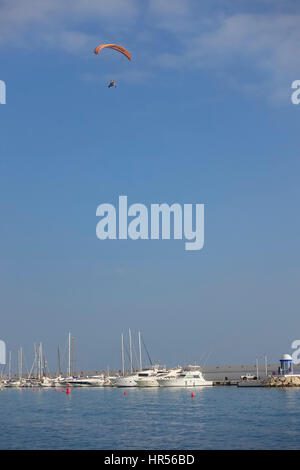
[(202, 114)]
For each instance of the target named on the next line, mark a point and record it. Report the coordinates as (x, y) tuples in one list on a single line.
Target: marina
[(146, 405), (189, 407), (284, 374)]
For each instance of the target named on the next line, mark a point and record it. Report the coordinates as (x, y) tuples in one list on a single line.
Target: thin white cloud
[(70, 41), (260, 44), (19, 18)]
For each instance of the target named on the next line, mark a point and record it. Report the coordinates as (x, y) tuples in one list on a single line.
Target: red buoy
[(68, 391), (125, 393), (63, 389), (192, 395)]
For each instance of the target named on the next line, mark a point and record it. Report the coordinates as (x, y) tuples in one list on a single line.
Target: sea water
[(154, 418)]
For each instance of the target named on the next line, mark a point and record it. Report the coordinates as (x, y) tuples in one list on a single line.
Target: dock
[(225, 382)]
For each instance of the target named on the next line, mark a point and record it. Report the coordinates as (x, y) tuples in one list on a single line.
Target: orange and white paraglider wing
[(115, 47)]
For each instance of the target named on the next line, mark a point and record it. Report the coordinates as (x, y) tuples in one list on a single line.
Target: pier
[(225, 382)]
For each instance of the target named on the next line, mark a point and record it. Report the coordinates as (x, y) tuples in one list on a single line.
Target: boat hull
[(184, 383), (147, 383), (125, 382)]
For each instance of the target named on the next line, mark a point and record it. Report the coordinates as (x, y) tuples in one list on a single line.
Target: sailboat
[(126, 380)]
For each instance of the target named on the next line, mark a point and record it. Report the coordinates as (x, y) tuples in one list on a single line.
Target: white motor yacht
[(46, 382), (110, 380), (94, 381), (14, 383), (150, 377), (59, 381), (189, 377), (127, 381), (76, 382)]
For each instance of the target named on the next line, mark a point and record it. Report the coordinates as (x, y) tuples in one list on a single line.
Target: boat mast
[(140, 350), (73, 355), (9, 365), (266, 365), (35, 361), (41, 361), (34, 366), (257, 368), (59, 362), (45, 366), (130, 351), (69, 361), (123, 362), (38, 362), (20, 363)]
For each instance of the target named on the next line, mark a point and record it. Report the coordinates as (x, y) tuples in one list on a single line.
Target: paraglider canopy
[(115, 47)]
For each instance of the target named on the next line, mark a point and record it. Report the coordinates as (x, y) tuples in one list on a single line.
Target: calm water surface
[(104, 418)]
